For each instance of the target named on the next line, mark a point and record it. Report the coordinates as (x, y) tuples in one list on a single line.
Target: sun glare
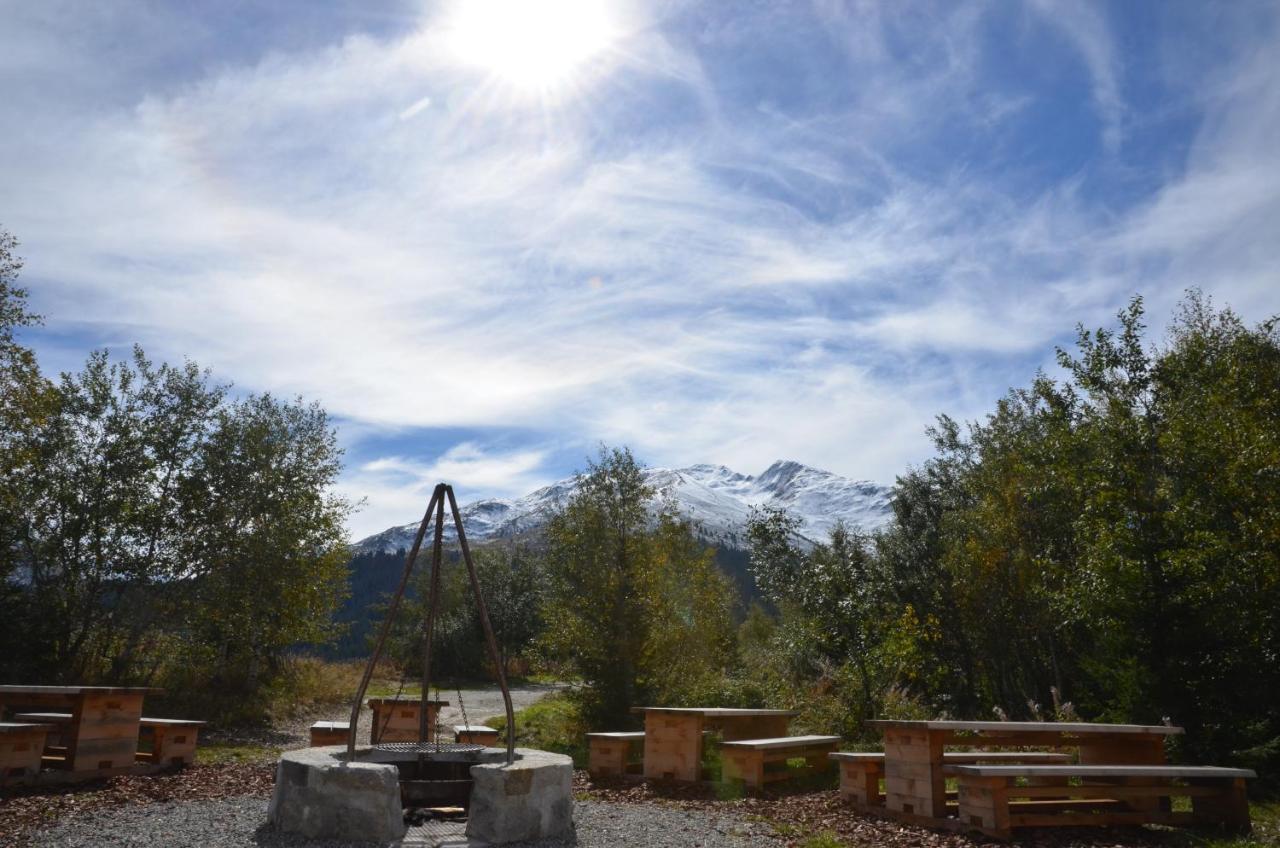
[(532, 45)]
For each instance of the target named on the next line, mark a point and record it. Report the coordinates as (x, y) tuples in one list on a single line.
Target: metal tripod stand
[(435, 509)]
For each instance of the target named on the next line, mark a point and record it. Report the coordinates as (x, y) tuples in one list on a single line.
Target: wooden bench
[(759, 761), (611, 753), (861, 773), (397, 719), (330, 733), (21, 746), (475, 734), (55, 741), (173, 741), (1105, 795)]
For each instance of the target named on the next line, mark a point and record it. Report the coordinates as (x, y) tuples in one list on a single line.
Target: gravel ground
[(236, 822)]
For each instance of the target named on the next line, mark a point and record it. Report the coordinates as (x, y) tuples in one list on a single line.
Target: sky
[(489, 236)]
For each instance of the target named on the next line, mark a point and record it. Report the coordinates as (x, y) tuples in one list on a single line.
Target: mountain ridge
[(716, 498)]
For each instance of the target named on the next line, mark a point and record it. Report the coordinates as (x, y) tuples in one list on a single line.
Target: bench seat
[(330, 733), (756, 762), (610, 753), (861, 772), (21, 746), (173, 740), (993, 803)]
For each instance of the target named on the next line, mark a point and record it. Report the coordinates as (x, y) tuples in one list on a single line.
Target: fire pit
[(361, 793), (321, 794)]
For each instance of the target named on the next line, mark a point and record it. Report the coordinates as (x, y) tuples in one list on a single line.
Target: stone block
[(319, 795), (530, 799)]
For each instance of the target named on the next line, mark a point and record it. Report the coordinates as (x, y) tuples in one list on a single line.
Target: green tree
[(634, 603), (26, 401), (830, 598), (264, 537), (510, 580), (1109, 538)]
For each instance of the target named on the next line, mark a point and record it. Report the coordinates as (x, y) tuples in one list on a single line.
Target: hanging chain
[(461, 706)]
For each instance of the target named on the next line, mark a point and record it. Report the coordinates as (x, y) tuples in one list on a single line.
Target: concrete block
[(319, 795), (530, 799)]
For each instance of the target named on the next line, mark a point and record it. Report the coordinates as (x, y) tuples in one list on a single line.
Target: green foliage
[(636, 607), (510, 579), (151, 528), (555, 723), (1106, 545)]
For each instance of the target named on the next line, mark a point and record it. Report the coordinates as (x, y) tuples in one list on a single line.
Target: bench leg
[(175, 746), (608, 758), (1229, 809), (746, 766), (984, 805), (860, 784)]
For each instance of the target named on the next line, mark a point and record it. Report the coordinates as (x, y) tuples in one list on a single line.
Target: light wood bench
[(861, 773), (756, 762), (173, 741), (1105, 795), (55, 741), (21, 746), (330, 733), (398, 719), (475, 734), (611, 753)]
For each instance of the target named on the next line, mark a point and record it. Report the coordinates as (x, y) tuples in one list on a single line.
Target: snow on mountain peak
[(717, 499)]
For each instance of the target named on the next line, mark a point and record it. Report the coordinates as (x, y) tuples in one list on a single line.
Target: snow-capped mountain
[(716, 498)]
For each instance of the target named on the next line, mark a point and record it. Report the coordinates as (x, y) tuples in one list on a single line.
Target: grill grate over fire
[(428, 747)]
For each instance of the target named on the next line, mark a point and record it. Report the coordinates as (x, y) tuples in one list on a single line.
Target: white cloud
[(654, 262), (396, 488), (1085, 27)]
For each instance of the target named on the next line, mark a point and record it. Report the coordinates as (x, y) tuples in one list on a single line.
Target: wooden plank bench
[(475, 734), (173, 741), (21, 747), (55, 741), (759, 761), (611, 753), (861, 773), (1106, 795), (330, 733)]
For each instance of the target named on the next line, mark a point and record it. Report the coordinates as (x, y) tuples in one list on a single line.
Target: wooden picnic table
[(915, 786), (673, 735), (105, 720)]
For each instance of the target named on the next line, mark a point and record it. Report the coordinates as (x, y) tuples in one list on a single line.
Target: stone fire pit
[(321, 795)]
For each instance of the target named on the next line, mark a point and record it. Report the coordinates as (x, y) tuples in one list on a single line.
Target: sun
[(535, 46)]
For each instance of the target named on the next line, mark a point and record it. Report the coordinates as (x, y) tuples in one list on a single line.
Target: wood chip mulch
[(24, 810), (800, 814)]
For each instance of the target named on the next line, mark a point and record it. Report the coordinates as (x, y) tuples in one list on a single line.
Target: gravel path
[(481, 704), (237, 822)]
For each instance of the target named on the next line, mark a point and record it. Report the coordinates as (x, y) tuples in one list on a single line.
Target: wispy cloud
[(740, 236)]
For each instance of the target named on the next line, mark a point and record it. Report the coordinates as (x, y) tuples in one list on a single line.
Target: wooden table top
[(17, 727), (78, 690), (716, 712), (1071, 727)]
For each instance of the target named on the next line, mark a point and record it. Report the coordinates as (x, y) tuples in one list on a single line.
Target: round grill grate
[(428, 747)]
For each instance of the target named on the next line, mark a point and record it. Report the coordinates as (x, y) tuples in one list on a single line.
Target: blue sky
[(488, 240)]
